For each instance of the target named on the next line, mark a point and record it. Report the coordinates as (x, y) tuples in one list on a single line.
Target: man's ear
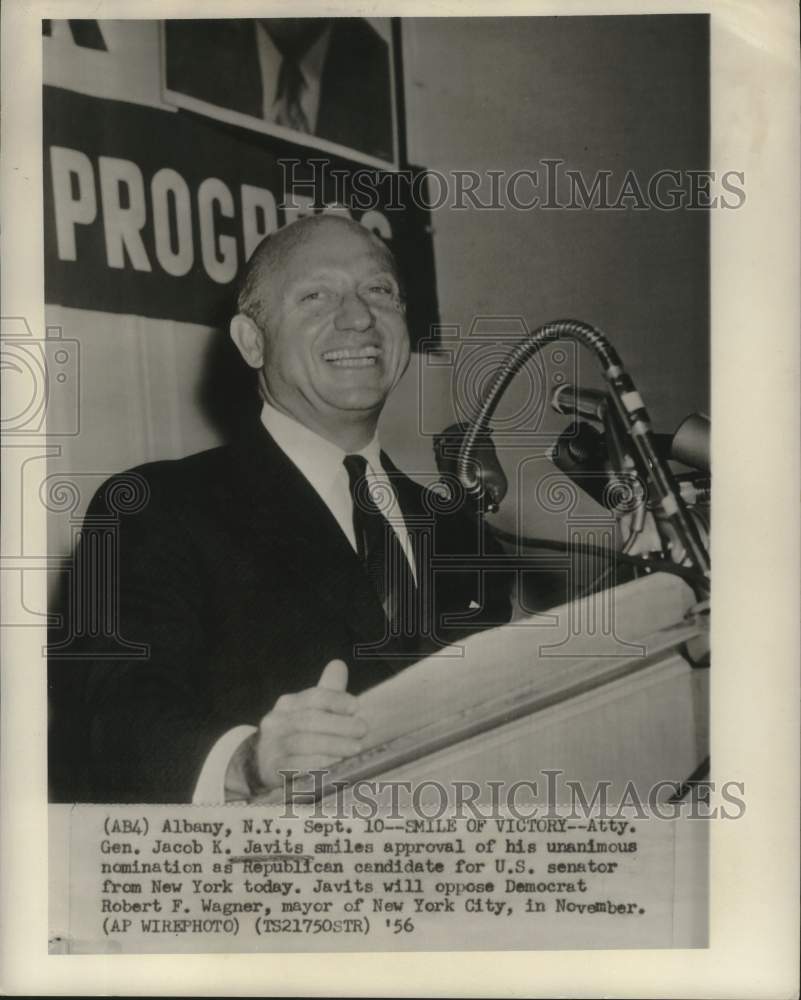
[(249, 340)]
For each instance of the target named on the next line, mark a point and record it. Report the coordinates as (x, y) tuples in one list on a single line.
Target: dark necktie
[(290, 86), (380, 551)]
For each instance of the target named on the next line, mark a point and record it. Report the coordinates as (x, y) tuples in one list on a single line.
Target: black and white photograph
[(209, 589), (360, 452)]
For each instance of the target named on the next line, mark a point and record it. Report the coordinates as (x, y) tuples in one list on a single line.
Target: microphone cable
[(698, 580)]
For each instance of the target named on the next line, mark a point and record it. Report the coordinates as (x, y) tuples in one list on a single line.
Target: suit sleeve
[(151, 724)]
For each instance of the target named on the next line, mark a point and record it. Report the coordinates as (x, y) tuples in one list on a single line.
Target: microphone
[(571, 401), (580, 452), (486, 475), (626, 422), (690, 444)]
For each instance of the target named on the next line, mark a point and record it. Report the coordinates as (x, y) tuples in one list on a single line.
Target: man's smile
[(353, 357)]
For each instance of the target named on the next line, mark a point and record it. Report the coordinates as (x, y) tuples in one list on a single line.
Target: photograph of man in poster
[(324, 77)]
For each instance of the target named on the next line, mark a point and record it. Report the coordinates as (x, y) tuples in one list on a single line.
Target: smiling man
[(322, 319), (272, 579)]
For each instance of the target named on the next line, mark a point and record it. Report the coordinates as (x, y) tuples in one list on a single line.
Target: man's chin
[(358, 399), (356, 389)]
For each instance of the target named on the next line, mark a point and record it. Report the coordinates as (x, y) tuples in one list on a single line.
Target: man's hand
[(309, 730)]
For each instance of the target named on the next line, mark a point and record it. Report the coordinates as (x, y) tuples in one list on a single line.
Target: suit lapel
[(295, 533), (245, 76)]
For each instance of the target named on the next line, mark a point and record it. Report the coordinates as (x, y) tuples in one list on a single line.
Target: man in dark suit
[(274, 578), (329, 77)]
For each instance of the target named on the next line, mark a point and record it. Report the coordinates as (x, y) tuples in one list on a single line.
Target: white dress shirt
[(321, 463), (311, 66)]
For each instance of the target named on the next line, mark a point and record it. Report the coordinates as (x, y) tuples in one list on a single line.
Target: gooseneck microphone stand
[(629, 407)]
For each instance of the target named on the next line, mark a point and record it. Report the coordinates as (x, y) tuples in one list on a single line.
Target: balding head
[(321, 315), (278, 248)]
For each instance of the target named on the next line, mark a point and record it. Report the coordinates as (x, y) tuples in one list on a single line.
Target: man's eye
[(313, 296), (381, 289)]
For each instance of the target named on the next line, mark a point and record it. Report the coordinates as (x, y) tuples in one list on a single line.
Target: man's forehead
[(336, 249), (320, 263), (340, 236)]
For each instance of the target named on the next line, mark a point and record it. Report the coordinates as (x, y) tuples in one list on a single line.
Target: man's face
[(336, 341)]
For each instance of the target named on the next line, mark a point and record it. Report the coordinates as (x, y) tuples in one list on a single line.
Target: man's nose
[(353, 313)]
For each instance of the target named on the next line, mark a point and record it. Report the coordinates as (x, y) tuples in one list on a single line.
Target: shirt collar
[(312, 61), (319, 460)]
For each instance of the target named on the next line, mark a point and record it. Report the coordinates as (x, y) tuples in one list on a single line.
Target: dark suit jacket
[(243, 586), (217, 61)]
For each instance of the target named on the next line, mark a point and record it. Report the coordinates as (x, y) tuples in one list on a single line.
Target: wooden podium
[(598, 690)]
